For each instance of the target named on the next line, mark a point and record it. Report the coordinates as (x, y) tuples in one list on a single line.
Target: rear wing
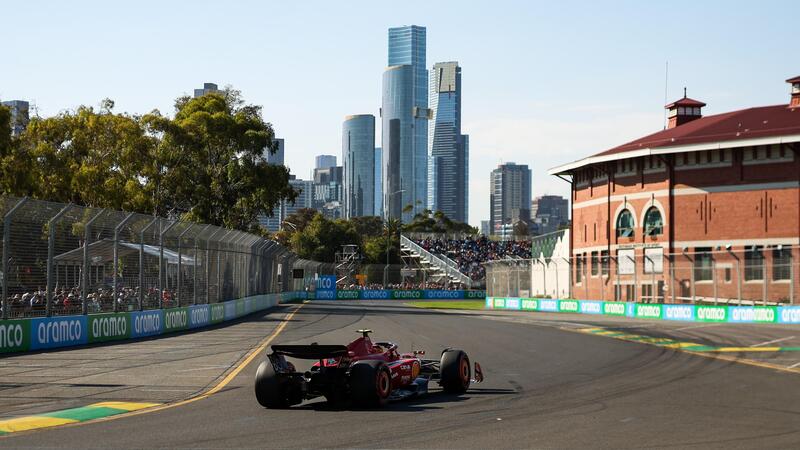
[(313, 351)]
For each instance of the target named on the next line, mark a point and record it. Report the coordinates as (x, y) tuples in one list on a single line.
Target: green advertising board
[(217, 313), (15, 335), (499, 302), (474, 294), (240, 308), (109, 327), (568, 306), (705, 313), (347, 295), (176, 319), (614, 308), (649, 311), (529, 304), (410, 294)]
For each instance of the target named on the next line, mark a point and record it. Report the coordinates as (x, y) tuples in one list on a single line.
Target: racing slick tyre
[(271, 391), (370, 383), (455, 371)]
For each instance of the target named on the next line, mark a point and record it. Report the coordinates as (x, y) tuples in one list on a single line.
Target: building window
[(625, 224), (754, 263), (781, 263), (578, 269), (653, 223), (595, 264), (604, 261), (703, 264)]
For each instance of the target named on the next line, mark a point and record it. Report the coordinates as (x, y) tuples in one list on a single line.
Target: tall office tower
[(448, 149), (207, 89), (509, 197), (549, 213), (404, 114), (277, 157), (324, 161), (358, 151), (19, 115), (378, 182)]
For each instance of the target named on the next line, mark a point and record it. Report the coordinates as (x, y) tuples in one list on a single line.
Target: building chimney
[(795, 100), (683, 111)]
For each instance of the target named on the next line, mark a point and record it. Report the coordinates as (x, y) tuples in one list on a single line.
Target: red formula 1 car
[(364, 373)]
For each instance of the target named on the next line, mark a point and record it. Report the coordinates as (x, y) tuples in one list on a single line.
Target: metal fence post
[(87, 231), (208, 265), (6, 244), (115, 261), (141, 262), (194, 265), (714, 277), (51, 242), (161, 263), (180, 264)]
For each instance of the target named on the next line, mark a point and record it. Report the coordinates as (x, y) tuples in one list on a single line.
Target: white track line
[(697, 326), (794, 365), (774, 341)]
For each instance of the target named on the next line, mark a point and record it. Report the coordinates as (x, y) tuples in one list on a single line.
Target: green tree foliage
[(205, 164), (430, 222), (322, 238), (295, 222)]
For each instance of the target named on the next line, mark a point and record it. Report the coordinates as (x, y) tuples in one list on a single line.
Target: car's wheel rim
[(464, 371), (383, 384)]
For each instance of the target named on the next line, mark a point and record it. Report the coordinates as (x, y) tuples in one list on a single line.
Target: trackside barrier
[(64, 331), (402, 294), (656, 311)]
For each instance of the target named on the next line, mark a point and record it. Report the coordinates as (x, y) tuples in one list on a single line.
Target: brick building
[(707, 209)]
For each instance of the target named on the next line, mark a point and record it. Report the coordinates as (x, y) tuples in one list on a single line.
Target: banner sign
[(376, 294), (411, 294), (217, 312), (199, 316), (109, 327), (15, 335), (437, 294), (348, 295), (52, 332), (681, 312), (176, 319)]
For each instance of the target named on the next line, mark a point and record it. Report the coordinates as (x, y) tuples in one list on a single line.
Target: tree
[(429, 222), (322, 238), (210, 164), (294, 222)]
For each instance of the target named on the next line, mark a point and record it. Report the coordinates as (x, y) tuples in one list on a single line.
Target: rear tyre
[(271, 390), (370, 383), (455, 371)]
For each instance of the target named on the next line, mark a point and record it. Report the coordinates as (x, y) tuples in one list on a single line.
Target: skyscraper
[(19, 115), (549, 213), (358, 151), (207, 89), (509, 196), (378, 182), (448, 149), (325, 161), (404, 114), (277, 157)]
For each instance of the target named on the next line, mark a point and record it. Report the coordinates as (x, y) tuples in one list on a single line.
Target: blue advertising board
[(437, 294), (147, 323), (199, 316), (52, 332)]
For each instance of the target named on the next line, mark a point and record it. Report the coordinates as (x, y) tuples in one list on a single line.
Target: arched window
[(625, 224), (653, 223)]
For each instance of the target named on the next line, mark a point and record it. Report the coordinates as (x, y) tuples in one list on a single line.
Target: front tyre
[(370, 383), (455, 371), (271, 390)]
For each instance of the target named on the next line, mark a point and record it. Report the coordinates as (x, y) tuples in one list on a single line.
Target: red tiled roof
[(759, 122), (685, 101), (794, 80)]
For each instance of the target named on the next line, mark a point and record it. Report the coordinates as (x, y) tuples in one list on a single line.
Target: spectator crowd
[(470, 254)]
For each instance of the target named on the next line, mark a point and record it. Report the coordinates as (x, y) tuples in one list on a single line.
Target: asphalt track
[(545, 387)]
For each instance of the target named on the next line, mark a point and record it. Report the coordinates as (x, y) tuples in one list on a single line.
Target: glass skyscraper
[(448, 164), (509, 196), (378, 181), (358, 151), (404, 114)]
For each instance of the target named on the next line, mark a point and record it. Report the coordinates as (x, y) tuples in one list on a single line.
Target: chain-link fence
[(747, 275), (62, 259)]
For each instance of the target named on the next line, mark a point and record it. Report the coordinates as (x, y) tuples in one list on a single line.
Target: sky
[(544, 83)]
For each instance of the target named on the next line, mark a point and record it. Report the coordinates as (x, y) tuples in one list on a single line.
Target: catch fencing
[(62, 259), (747, 275)]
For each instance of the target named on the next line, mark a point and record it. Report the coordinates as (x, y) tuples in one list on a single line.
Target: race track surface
[(545, 387)]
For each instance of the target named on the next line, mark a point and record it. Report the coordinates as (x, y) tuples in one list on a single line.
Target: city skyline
[(528, 114)]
